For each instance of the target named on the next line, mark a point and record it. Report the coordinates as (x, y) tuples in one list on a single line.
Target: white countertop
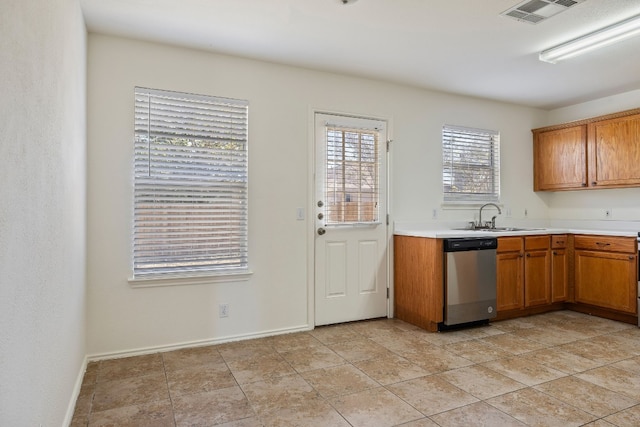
[(419, 230)]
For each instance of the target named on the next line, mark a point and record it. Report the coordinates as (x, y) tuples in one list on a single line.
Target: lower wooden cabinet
[(605, 272), (537, 271), (510, 280), (593, 274), (523, 272), (418, 281), (559, 268)]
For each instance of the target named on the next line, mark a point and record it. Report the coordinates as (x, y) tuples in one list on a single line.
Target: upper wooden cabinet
[(614, 147), (602, 152), (560, 158)]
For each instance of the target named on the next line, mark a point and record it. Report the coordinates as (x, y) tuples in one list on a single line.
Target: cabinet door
[(510, 281), (606, 279), (559, 159), (537, 273), (559, 275), (614, 152)]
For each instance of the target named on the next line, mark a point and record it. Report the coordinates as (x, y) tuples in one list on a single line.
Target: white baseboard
[(199, 343), (76, 392)]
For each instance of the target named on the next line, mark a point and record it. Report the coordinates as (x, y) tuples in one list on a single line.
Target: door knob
[(321, 231), (320, 203)]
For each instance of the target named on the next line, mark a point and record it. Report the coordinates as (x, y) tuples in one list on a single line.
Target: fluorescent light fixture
[(603, 37)]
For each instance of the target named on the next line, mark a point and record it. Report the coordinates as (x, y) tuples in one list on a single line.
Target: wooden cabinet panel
[(614, 147), (559, 268), (537, 274), (535, 243), (510, 273), (606, 243), (418, 293), (510, 244), (559, 241), (606, 279), (559, 159), (559, 275)]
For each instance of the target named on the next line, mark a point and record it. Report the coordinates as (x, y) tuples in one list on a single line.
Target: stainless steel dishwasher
[(469, 281)]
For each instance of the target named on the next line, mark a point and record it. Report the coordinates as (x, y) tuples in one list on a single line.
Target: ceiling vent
[(535, 11)]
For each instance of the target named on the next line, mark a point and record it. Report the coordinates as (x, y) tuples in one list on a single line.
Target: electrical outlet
[(434, 214), (507, 211), (526, 212), (223, 310)]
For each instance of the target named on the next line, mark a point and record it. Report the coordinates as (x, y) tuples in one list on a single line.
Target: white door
[(350, 213)]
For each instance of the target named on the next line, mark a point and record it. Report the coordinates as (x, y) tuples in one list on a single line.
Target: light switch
[(300, 214)]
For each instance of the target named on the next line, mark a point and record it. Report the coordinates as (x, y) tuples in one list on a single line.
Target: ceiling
[(458, 46)]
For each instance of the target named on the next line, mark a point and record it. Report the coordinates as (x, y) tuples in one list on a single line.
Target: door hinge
[(389, 141), (387, 219), (387, 293)]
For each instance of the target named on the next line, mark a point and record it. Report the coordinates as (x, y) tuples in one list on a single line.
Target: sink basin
[(511, 229), (499, 229)]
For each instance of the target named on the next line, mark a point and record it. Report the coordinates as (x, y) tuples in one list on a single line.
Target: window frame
[(486, 146), (195, 152), (354, 153)]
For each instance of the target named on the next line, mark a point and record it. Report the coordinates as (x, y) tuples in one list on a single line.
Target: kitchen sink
[(509, 229), (499, 229)]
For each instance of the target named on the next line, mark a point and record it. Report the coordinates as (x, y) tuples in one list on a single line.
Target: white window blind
[(352, 175), (471, 164), (190, 184)]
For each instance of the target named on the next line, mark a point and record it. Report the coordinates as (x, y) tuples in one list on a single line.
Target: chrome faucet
[(493, 220)]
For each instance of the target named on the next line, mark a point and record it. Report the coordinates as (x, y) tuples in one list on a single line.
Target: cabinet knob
[(631, 257), (594, 183), (555, 253), (584, 184)]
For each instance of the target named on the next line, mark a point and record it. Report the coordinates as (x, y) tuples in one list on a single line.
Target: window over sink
[(470, 165)]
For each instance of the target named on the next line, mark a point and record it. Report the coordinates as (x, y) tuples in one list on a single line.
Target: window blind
[(352, 175), (471, 164), (190, 183)]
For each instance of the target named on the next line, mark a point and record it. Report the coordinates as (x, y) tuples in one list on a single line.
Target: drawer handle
[(603, 244)]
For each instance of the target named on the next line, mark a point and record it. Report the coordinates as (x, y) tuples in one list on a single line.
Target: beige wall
[(587, 208), (42, 210), (281, 100)]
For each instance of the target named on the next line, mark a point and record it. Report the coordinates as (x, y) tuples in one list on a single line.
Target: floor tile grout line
[(166, 378)]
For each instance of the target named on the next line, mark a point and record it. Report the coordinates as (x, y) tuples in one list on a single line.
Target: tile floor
[(556, 369)]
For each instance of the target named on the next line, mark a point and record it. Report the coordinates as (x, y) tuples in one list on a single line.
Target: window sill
[(189, 279), (472, 204)]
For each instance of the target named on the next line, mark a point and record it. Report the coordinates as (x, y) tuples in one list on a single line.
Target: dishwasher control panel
[(470, 244)]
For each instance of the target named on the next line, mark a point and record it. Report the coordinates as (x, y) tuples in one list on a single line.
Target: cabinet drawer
[(510, 244), (536, 243), (559, 241), (606, 243)]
